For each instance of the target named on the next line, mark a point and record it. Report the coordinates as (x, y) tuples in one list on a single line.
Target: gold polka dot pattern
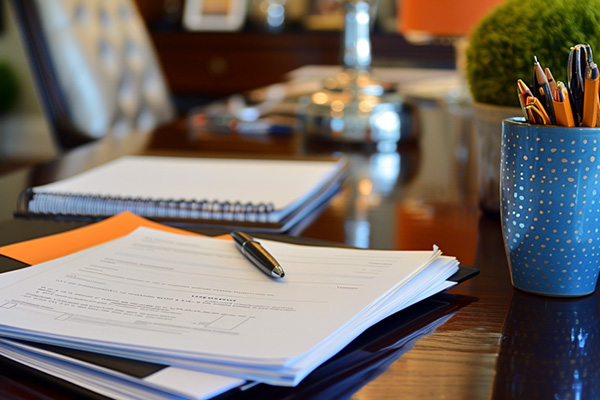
[(550, 207)]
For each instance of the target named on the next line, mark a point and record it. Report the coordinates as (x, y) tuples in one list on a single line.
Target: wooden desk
[(498, 343)]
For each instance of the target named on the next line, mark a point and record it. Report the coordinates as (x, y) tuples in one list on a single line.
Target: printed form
[(197, 302)]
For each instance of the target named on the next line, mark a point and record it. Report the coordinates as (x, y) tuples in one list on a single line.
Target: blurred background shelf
[(221, 63)]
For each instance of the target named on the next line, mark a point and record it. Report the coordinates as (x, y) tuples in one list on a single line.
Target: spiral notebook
[(259, 195)]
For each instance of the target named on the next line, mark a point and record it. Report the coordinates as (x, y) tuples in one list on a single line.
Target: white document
[(198, 303)]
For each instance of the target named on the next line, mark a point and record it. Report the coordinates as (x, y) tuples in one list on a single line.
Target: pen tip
[(278, 272), (535, 60)]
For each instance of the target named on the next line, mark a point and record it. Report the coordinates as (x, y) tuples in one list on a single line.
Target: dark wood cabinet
[(212, 64)]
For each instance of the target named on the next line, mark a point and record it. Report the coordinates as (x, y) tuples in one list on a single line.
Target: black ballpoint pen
[(575, 82), (253, 251)]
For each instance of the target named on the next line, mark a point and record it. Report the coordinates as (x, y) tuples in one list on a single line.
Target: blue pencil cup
[(550, 207)]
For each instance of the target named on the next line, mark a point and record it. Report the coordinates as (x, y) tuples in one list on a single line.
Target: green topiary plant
[(9, 87), (503, 44)]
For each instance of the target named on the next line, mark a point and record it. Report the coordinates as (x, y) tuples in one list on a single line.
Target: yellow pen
[(598, 109), (590, 96)]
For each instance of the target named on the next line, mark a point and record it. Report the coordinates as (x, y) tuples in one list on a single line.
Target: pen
[(590, 96), (598, 107), (562, 106), (551, 81), (525, 98), (541, 90), (575, 82), (253, 251), (536, 114), (532, 108), (586, 56)]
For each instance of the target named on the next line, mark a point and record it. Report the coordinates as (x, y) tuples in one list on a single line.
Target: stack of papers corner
[(197, 303)]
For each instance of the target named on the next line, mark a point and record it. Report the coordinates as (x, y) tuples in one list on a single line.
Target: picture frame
[(214, 15)]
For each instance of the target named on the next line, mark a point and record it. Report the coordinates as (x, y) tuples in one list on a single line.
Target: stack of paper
[(124, 379), (118, 378), (197, 303)]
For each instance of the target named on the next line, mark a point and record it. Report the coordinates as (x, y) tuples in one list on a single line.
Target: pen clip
[(536, 113), (586, 56)]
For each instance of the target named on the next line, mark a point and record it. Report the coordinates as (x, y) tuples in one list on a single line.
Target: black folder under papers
[(245, 194), (361, 361)]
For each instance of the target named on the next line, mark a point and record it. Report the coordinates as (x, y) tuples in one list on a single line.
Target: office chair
[(94, 67)]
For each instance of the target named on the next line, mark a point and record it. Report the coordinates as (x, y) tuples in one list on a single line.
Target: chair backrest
[(94, 67)]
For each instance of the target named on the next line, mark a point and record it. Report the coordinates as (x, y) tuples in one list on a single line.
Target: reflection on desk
[(550, 349)]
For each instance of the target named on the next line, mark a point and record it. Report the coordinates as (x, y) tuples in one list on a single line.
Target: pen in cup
[(541, 90), (532, 108), (257, 254), (562, 106), (551, 81), (590, 96), (544, 102), (575, 82)]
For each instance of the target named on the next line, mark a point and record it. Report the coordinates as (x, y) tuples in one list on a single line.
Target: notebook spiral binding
[(101, 206)]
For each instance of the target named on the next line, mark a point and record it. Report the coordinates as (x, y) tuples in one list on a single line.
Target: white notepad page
[(283, 183)]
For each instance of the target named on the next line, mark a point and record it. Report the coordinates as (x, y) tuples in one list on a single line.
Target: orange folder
[(47, 248)]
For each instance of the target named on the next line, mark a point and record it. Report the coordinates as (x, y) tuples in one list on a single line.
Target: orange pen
[(562, 106), (590, 96), (598, 108)]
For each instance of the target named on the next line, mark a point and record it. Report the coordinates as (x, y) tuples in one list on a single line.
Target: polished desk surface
[(497, 343)]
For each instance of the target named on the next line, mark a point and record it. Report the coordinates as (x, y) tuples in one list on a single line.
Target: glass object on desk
[(353, 107)]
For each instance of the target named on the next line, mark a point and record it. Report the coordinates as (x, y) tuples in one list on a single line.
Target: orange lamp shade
[(442, 17)]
